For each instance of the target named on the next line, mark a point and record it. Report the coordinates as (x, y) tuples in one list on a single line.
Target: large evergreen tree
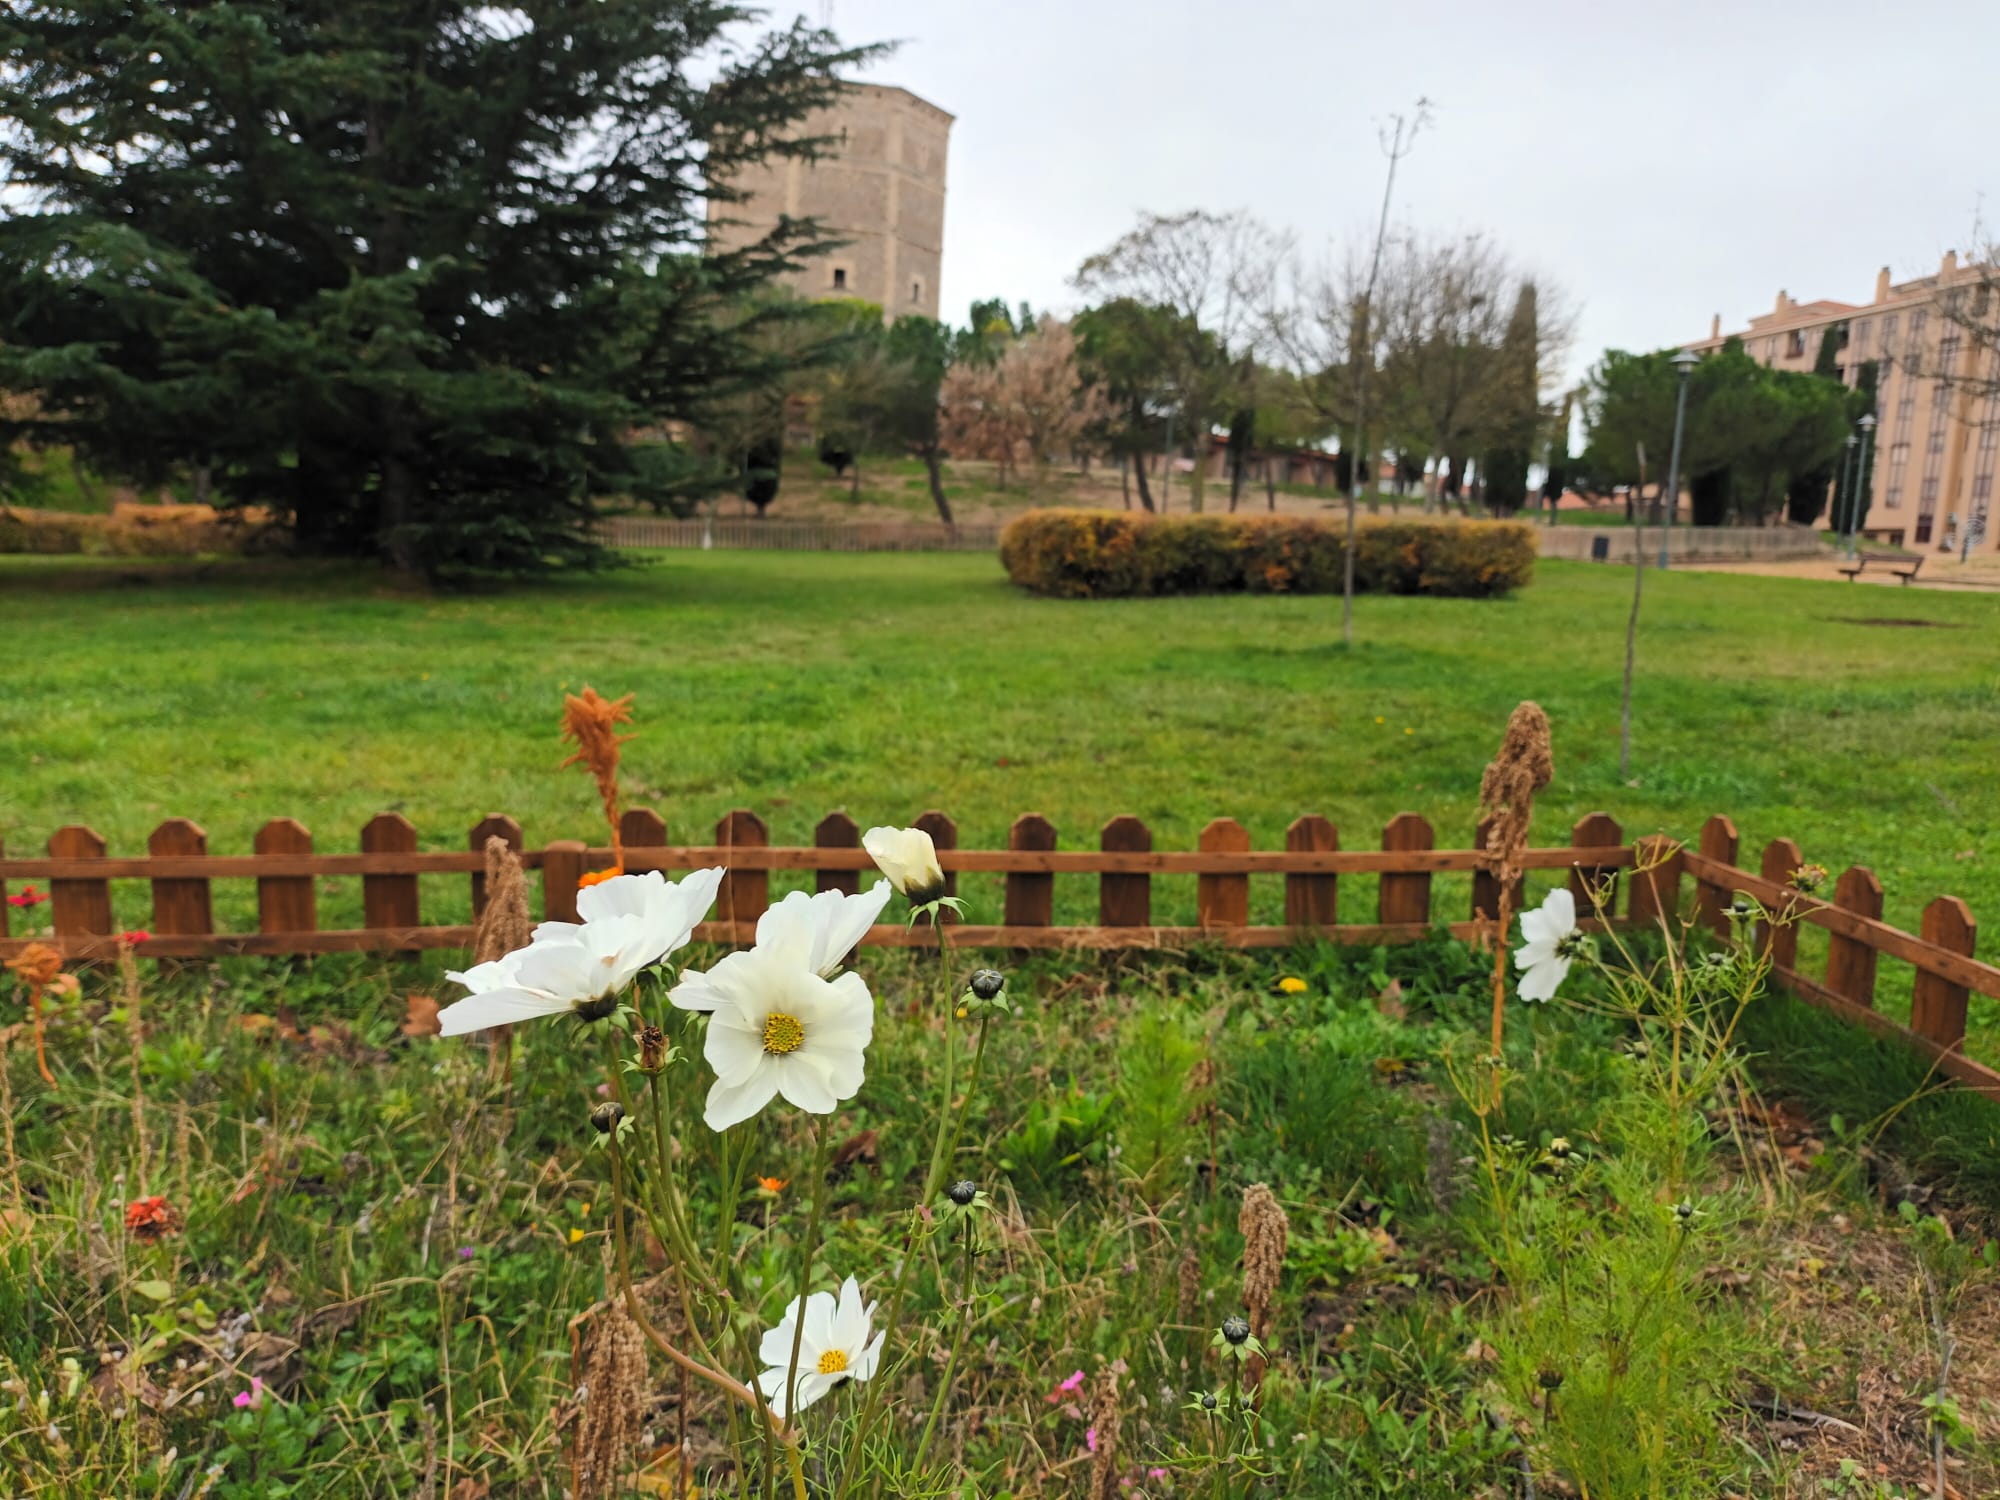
[(410, 275)]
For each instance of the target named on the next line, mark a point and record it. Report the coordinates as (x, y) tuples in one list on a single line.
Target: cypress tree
[(412, 276)]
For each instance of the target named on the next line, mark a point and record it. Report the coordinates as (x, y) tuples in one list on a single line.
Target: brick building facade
[(1936, 446), (881, 189)]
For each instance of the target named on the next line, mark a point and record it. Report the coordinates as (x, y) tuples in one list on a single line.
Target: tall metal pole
[(1843, 498), (1682, 362), (1867, 426)]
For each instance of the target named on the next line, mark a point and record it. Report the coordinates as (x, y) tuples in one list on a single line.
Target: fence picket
[(1223, 900), (285, 903), (837, 831), (1031, 898), (1312, 900), (493, 825), (642, 828), (181, 905), (1655, 894), (1937, 1006), (1781, 940), (79, 906), (1850, 963), (1595, 887), (389, 900), (1406, 898), (1125, 900), (744, 894), (1711, 901), (563, 863)]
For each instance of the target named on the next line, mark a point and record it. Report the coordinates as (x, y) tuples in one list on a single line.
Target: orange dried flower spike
[(591, 721), (149, 1219), (38, 965)]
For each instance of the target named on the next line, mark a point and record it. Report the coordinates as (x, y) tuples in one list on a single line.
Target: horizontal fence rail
[(286, 869), (285, 866), (797, 536)]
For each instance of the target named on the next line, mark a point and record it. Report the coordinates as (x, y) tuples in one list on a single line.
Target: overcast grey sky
[(1661, 162)]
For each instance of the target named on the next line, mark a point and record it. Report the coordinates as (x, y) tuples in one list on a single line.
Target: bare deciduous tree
[(1030, 406)]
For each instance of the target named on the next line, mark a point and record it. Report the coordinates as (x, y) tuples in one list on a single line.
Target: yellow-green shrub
[(1101, 554), (133, 531)]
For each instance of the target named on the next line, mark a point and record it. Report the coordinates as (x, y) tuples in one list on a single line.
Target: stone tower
[(880, 188)]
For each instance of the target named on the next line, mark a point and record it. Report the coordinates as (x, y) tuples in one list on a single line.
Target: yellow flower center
[(782, 1034), (833, 1362)]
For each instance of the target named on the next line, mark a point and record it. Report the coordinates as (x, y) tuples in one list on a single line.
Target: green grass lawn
[(1858, 722)]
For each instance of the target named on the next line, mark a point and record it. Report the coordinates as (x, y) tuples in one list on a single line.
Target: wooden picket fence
[(79, 871)]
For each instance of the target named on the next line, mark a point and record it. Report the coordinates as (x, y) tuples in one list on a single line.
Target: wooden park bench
[(1889, 560)]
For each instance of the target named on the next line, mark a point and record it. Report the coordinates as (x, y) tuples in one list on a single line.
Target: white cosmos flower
[(1545, 952), (779, 1028), (839, 922), (670, 909), (582, 969), (834, 1347), (909, 858)]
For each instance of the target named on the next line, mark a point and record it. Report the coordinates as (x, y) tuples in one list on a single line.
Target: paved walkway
[(1941, 572)]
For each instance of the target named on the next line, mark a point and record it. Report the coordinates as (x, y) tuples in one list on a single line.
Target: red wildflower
[(28, 896), (149, 1219), (135, 936)]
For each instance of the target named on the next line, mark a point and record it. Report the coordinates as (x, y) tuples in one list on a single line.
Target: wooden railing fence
[(79, 872)]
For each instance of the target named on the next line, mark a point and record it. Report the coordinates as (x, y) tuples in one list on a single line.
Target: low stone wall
[(1684, 543)]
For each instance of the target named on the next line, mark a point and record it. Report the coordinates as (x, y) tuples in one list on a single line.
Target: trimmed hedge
[(1105, 554), (134, 531)]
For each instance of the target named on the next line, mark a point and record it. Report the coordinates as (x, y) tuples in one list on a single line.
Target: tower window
[(916, 291), (840, 278)]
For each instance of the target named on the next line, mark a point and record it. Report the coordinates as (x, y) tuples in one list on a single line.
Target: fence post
[(1486, 885), (1595, 887), (1223, 900), (79, 907), (1711, 898), (1125, 900), (285, 903), (1655, 893), (1031, 895), (1937, 1006), (1312, 900), (1406, 897), (642, 828), (1850, 963), (944, 835), (837, 831), (744, 894), (1780, 942), (562, 867), (181, 905), (389, 900), (491, 826)]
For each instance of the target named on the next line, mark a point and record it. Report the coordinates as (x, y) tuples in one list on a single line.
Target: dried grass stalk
[(1525, 765), (614, 1400), (1105, 1422), (505, 925), (135, 1031), (1265, 1229), (1189, 1306)]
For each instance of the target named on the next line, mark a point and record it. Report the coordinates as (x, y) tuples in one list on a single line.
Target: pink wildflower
[(253, 1397)]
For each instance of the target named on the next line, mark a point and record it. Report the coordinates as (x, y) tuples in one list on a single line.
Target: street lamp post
[(1867, 426), (1844, 496), (1684, 361)]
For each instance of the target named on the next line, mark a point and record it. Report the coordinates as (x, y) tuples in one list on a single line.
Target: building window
[(1923, 529), (840, 278), (1795, 343), (1888, 332), (916, 291)]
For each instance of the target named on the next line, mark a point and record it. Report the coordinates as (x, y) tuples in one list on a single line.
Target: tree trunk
[(1125, 484), (1235, 483), (936, 472), (1145, 491), (1270, 486), (399, 492)]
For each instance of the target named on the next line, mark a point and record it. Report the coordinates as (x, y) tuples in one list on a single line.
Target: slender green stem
[(935, 1176), (957, 1348), (822, 1140)]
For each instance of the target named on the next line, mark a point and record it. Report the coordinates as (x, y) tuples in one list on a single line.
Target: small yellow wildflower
[(584, 1209), (1380, 720), (1408, 730), (1291, 984), (575, 1235)]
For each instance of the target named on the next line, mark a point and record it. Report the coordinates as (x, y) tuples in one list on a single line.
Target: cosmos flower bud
[(963, 1192), (909, 858), (1208, 1401), (1549, 1378), (607, 1115), (1236, 1330), (986, 983)]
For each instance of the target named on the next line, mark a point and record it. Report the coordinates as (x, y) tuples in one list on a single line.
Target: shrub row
[(131, 531), (1102, 554)]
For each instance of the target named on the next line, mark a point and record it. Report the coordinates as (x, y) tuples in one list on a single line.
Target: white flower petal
[(776, 1346), (1540, 982), (732, 1104), (907, 856), (803, 1080), (733, 1050), (497, 1008), (863, 1367)]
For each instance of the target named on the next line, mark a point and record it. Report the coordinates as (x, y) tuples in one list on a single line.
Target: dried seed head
[(592, 722), (504, 925), (652, 1048), (1190, 1287), (1265, 1228), (614, 1381), (1104, 1418), (1549, 1378), (1507, 790), (37, 964)]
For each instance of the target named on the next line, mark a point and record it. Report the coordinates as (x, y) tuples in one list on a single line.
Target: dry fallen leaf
[(858, 1148), (1390, 1001), (421, 1016)]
